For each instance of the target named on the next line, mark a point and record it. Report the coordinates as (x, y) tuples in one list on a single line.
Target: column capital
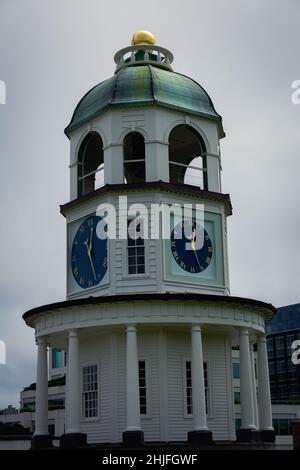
[(196, 327), (244, 331), (131, 327), (73, 333), (40, 340), (262, 338)]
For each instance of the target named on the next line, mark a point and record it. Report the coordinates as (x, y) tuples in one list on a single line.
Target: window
[(279, 344), (188, 387), (51, 429), (188, 379), (187, 158), (282, 427), (57, 358), (236, 370), (270, 348), (90, 391), (134, 158), (292, 370), (238, 423), (135, 248), (90, 164), (56, 404), (143, 387), (237, 398), (271, 371), (289, 340), (281, 370)]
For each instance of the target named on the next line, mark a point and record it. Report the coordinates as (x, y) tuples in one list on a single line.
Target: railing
[(192, 175), (152, 54), (286, 402)]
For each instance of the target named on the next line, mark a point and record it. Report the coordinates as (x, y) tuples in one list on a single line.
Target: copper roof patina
[(144, 85)]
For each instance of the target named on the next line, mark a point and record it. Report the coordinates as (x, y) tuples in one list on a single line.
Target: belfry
[(148, 323)]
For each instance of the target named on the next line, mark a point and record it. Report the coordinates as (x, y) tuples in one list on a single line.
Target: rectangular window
[(56, 358), (281, 370), (51, 429), (289, 340), (90, 391), (292, 370), (237, 398), (272, 371), (270, 348), (188, 381), (279, 343), (188, 387), (135, 249), (238, 423), (143, 387), (282, 427), (236, 370)]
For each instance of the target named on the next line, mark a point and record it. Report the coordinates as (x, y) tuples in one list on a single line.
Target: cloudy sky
[(245, 54)]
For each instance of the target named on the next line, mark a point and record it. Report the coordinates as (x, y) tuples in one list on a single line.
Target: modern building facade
[(282, 331), (148, 322)]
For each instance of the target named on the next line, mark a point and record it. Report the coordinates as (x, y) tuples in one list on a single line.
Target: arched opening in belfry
[(134, 158), (90, 164), (187, 157)]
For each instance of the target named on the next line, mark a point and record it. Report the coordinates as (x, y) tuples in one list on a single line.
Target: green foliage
[(14, 429), (60, 381)]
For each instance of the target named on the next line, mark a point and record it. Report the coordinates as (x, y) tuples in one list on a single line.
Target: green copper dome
[(144, 85)]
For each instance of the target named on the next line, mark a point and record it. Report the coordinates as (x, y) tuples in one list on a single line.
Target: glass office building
[(282, 330)]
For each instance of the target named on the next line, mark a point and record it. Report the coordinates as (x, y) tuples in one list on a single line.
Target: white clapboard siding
[(93, 350), (109, 351), (146, 283), (178, 347), (148, 351)]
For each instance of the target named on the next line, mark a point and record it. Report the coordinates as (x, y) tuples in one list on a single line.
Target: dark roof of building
[(144, 85), (286, 319)]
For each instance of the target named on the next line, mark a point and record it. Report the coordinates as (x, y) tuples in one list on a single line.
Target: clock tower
[(148, 322), (149, 136)]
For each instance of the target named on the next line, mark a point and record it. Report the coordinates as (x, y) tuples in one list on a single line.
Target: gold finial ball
[(142, 37)]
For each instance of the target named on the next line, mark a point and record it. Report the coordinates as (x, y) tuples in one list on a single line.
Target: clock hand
[(91, 238), (195, 252), (90, 258)]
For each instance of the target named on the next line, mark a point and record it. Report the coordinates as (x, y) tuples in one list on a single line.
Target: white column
[(254, 393), (133, 421), (264, 395), (247, 409), (73, 386), (41, 405), (198, 386)]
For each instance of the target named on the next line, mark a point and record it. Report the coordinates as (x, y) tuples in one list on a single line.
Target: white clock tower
[(148, 322)]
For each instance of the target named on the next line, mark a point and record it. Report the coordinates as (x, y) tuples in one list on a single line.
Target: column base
[(73, 440), (133, 438), (267, 435), (43, 441), (248, 435), (200, 437)]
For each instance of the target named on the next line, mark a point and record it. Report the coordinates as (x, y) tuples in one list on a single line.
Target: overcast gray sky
[(245, 54)]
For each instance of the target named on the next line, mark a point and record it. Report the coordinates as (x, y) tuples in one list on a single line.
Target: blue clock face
[(89, 254), (191, 246)]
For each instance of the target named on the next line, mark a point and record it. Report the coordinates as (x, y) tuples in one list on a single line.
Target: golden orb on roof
[(142, 37)]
